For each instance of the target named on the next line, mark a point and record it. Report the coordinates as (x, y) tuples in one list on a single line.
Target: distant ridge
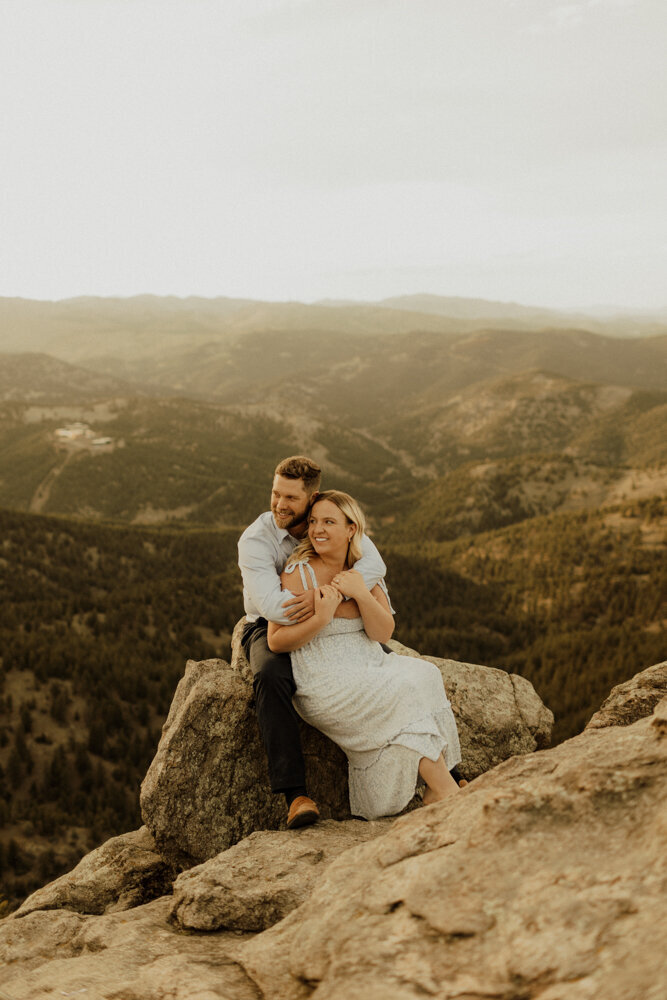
[(38, 377), (85, 328), (463, 308)]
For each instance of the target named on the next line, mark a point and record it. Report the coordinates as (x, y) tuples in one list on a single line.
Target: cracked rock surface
[(260, 880)]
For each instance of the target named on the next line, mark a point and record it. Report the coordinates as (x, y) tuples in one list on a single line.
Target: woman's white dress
[(384, 710)]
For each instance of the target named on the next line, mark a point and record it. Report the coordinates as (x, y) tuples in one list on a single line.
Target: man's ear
[(313, 497)]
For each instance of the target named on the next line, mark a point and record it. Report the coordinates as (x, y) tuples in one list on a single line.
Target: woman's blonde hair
[(352, 512)]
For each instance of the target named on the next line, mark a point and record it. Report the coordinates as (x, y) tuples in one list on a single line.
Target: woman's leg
[(439, 782)]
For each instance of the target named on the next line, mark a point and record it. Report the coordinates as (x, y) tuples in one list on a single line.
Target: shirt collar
[(280, 533)]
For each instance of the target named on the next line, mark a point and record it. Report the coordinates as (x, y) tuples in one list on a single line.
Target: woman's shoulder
[(300, 575)]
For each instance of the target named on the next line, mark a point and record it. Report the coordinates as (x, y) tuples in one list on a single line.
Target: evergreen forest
[(97, 622)]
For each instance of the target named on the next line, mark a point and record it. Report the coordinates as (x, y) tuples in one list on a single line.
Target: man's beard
[(289, 521)]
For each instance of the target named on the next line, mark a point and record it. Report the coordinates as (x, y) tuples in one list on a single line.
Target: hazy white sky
[(509, 149)]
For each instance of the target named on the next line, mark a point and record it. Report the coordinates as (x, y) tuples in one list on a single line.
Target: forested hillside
[(186, 460), (96, 623), (176, 459), (575, 602)]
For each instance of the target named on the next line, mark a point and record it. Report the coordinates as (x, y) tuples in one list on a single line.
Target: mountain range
[(391, 416)]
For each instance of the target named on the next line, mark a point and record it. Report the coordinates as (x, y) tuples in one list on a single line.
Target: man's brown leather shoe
[(302, 812)]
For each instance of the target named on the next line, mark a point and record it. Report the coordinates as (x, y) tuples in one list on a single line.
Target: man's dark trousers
[(273, 684)]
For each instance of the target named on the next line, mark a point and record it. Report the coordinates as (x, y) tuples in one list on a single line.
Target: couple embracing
[(317, 617)]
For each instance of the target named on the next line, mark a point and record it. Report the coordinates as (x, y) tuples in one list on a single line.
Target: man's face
[(289, 503)]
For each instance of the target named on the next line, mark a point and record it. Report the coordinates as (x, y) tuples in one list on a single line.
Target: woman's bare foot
[(439, 782), (429, 796)]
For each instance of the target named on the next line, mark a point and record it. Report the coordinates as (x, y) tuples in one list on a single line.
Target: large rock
[(546, 877), (497, 714), (124, 872), (133, 955), (632, 700), (207, 787), (260, 880)]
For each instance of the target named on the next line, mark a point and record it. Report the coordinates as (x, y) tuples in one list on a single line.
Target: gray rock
[(633, 699), (124, 872), (264, 877), (207, 787), (497, 714)]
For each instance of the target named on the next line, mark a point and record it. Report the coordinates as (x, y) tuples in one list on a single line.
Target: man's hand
[(300, 608)]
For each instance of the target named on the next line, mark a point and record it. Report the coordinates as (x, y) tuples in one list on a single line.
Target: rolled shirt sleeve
[(262, 592), (372, 567)]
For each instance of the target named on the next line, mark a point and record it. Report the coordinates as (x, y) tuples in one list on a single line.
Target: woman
[(389, 713)]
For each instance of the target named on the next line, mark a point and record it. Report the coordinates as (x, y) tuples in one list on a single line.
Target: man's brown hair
[(300, 467)]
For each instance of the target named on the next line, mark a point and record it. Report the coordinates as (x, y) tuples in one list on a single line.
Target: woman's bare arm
[(285, 638), (373, 604)]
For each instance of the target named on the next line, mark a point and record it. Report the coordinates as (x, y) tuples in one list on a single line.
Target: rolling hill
[(40, 378), (383, 422)]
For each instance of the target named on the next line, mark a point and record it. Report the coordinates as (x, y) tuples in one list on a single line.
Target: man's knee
[(274, 677)]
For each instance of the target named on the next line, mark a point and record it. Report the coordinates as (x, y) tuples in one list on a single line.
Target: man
[(264, 548)]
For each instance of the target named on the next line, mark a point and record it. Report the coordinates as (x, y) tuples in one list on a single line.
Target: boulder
[(124, 872), (545, 877), (207, 787), (261, 879), (632, 700), (497, 714)]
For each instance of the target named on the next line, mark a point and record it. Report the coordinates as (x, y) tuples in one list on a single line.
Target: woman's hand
[(287, 638), (327, 599), (350, 583)]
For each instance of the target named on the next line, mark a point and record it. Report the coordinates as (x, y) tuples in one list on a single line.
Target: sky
[(352, 149)]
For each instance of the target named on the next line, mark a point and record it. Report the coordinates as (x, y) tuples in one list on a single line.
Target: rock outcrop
[(632, 700), (207, 787), (545, 878), (256, 883), (123, 873), (131, 955), (497, 714)]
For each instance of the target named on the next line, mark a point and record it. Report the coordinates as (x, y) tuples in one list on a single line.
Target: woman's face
[(328, 528)]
